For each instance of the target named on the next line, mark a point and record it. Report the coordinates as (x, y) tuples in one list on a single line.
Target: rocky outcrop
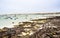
[(38, 28), (50, 30)]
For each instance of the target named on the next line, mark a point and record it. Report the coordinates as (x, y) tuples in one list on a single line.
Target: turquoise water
[(6, 20)]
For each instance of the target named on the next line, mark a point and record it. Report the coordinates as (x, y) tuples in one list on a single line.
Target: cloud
[(19, 6)]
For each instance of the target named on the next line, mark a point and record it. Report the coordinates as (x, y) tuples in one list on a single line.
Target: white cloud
[(29, 6)]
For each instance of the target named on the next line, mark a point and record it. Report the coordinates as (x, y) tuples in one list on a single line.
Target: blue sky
[(29, 6)]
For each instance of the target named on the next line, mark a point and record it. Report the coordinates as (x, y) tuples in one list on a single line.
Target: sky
[(29, 6)]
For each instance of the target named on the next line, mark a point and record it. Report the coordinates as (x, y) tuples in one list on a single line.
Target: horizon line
[(32, 13)]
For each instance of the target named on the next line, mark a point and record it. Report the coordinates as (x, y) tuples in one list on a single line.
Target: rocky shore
[(38, 28), (50, 29)]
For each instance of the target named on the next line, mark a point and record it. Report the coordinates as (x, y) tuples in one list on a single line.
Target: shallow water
[(6, 20)]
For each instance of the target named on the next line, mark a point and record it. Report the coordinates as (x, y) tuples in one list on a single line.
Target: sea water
[(6, 20)]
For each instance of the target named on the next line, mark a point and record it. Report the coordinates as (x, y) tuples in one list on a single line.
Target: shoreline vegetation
[(37, 28)]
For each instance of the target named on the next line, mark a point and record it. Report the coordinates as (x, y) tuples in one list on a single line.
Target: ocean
[(6, 20)]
